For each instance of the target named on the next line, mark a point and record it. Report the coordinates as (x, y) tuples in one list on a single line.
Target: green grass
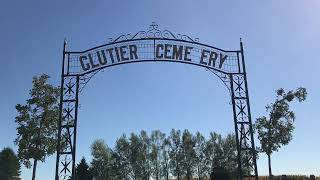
[(289, 177)]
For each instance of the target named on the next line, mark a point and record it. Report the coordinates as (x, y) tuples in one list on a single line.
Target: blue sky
[(281, 41)]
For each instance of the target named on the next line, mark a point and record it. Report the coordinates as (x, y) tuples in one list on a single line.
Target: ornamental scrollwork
[(153, 32)]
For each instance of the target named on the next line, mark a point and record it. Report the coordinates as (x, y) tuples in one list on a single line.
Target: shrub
[(219, 173)]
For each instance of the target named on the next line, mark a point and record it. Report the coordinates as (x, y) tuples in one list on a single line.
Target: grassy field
[(289, 177)]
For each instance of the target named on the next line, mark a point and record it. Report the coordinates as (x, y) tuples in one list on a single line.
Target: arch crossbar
[(154, 45)]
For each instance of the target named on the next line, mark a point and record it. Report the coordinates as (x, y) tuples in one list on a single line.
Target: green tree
[(219, 173), (123, 158), (146, 155), (157, 147), (139, 156), (176, 154), (9, 165), (37, 123), (202, 163), (208, 152), (83, 170), (229, 157), (214, 150), (136, 156), (276, 130), (188, 153), (221, 152), (103, 161), (165, 162)]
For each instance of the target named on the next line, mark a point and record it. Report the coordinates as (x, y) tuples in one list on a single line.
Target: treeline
[(180, 155)]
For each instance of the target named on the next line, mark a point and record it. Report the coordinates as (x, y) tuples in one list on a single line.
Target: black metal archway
[(153, 45)]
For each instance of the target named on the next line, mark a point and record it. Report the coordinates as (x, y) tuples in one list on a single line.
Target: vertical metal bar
[(154, 49), (75, 130), (249, 113), (239, 66), (236, 128), (60, 109), (68, 66)]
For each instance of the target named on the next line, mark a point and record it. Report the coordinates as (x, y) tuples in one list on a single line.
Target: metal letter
[(222, 59), (111, 54), (123, 52), (133, 51), (203, 55), (117, 54), (91, 62), (157, 51), (187, 52), (167, 50), (86, 66), (103, 60), (177, 52), (213, 58)]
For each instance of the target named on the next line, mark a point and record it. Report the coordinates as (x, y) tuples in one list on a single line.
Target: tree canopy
[(83, 171), (180, 155), (37, 122), (276, 130), (9, 165), (102, 165)]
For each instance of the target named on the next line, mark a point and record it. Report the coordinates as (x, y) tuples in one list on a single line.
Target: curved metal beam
[(139, 61), (141, 39)]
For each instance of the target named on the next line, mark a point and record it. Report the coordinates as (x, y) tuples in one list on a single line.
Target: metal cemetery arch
[(153, 45)]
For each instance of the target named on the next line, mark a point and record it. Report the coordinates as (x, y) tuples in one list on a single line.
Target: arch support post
[(246, 157), (67, 126)]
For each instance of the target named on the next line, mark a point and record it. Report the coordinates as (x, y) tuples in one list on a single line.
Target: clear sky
[(281, 41)]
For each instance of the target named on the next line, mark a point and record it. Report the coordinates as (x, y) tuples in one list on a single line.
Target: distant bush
[(221, 174), (296, 177)]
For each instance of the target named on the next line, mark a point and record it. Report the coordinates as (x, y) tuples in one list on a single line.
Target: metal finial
[(154, 25)]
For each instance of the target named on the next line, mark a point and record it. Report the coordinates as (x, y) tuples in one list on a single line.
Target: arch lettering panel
[(150, 50)]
